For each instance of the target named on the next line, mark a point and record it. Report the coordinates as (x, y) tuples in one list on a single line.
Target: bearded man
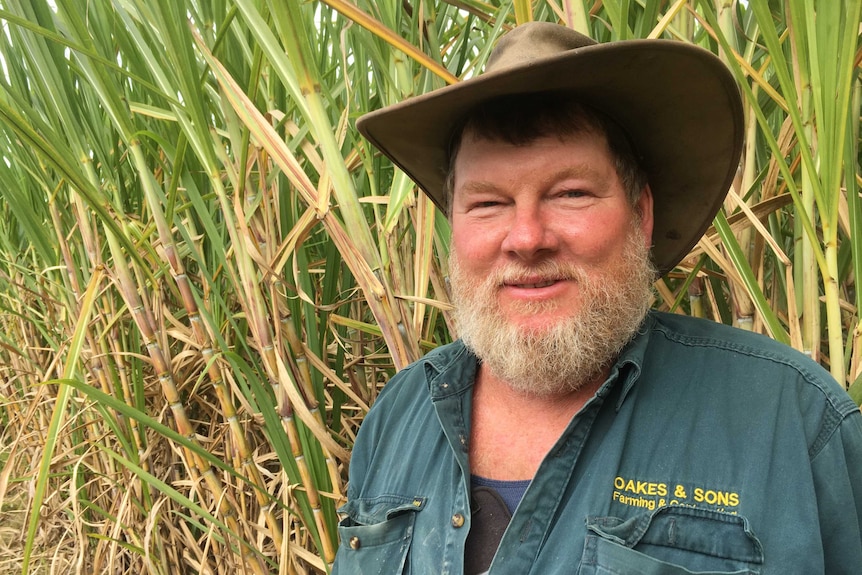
[(569, 429)]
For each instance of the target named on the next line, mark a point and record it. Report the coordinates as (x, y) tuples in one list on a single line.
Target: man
[(569, 430)]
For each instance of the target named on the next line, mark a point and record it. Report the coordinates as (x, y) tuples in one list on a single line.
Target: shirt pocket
[(671, 541), (375, 534)]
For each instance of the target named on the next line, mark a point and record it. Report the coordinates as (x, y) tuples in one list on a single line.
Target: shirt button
[(355, 543), (457, 521)]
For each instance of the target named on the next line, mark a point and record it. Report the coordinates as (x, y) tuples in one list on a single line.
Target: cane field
[(207, 275)]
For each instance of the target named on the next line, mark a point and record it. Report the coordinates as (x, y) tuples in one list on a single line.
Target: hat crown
[(534, 41)]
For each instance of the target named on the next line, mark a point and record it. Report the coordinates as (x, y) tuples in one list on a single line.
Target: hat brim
[(678, 104)]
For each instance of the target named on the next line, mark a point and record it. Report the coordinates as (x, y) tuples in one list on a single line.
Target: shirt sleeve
[(837, 470)]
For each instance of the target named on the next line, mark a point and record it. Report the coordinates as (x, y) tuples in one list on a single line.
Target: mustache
[(549, 270)]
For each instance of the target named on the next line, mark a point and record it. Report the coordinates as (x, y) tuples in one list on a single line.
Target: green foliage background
[(206, 275)]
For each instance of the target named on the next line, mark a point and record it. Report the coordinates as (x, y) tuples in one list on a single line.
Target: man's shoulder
[(707, 335), (403, 419), (707, 332), (739, 350)]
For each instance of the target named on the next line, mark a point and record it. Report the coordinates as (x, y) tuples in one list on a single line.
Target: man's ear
[(644, 210)]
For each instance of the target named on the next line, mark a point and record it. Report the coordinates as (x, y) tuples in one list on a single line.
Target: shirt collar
[(627, 368), (450, 370)]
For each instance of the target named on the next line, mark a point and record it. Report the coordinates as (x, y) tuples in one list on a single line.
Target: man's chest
[(613, 489)]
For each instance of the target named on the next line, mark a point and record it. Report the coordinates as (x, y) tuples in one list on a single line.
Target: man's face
[(547, 252)]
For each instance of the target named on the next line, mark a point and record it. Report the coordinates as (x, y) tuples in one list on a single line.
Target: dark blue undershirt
[(493, 502), (510, 491)]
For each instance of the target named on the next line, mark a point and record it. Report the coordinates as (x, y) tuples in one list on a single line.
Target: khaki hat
[(678, 104)]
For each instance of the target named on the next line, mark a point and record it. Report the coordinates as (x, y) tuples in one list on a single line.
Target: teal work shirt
[(707, 450)]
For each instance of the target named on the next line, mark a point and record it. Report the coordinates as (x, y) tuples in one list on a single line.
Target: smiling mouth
[(542, 284)]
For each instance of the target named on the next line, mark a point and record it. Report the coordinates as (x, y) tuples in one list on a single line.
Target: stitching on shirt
[(834, 420)]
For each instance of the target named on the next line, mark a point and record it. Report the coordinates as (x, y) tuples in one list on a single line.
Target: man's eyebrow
[(478, 187), (578, 171)]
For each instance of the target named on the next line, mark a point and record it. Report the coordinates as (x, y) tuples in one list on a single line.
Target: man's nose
[(529, 236)]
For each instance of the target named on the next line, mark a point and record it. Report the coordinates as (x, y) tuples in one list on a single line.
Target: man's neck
[(511, 431)]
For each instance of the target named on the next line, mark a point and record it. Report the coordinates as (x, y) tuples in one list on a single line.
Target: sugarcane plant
[(207, 275)]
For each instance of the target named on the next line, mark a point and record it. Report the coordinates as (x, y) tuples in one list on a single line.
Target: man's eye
[(486, 204), (573, 194)]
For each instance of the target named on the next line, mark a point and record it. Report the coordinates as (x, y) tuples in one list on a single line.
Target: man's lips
[(533, 285)]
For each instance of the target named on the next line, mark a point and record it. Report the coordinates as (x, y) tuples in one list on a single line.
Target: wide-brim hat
[(678, 104)]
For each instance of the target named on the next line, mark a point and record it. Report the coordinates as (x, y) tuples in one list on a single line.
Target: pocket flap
[(369, 511), (700, 531)]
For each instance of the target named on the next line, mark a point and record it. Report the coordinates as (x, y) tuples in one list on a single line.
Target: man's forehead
[(474, 144)]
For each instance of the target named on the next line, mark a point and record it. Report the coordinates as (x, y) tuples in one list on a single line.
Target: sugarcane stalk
[(298, 352), (161, 366)]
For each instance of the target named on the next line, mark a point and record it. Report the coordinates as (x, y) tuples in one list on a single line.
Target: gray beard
[(575, 350)]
